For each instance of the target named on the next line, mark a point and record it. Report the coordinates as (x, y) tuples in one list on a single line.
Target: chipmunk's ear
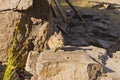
[(55, 33), (60, 33)]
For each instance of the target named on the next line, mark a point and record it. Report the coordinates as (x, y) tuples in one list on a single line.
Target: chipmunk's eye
[(58, 39)]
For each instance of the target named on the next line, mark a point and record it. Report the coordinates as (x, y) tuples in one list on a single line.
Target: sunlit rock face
[(34, 21), (16, 4)]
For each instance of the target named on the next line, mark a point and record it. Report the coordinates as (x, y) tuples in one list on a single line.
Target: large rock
[(75, 65), (85, 62), (33, 26), (111, 66)]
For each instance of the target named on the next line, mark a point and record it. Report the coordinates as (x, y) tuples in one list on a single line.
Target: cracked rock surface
[(17, 4)]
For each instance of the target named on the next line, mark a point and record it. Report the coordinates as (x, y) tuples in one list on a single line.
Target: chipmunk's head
[(105, 5), (59, 39), (56, 42)]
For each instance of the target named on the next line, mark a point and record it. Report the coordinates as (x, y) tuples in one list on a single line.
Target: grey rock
[(100, 25), (96, 25), (78, 42), (104, 43), (77, 29)]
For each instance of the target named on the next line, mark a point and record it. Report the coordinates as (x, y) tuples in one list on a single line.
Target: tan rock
[(8, 21), (16, 4), (75, 65), (105, 78), (25, 4), (113, 65), (31, 62), (32, 30)]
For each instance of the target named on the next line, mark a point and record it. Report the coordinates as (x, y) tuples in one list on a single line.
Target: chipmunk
[(55, 42), (106, 5)]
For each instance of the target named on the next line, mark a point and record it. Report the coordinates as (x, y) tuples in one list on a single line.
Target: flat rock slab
[(74, 65)]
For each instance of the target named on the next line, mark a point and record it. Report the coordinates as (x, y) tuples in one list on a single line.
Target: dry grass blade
[(10, 69)]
